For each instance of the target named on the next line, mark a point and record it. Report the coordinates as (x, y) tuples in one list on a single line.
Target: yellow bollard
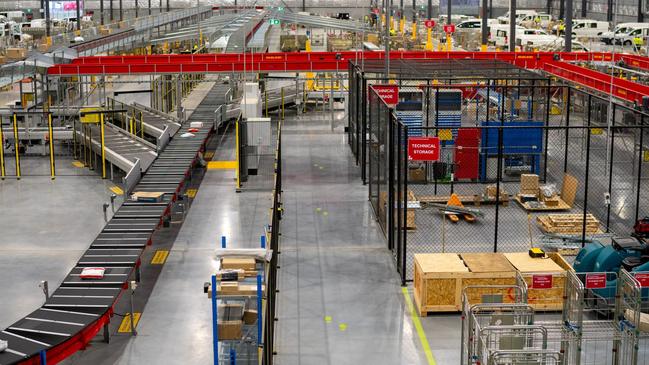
[(483, 48), (266, 101), (402, 25), (429, 39), (141, 125), (414, 30), (236, 150), (449, 42), (16, 146), (2, 153), (103, 146), (51, 134)]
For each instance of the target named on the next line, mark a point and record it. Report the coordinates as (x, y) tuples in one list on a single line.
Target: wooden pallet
[(546, 208), (476, 200), (568, 223)]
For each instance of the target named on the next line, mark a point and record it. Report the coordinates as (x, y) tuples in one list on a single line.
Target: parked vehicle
[(619, 31), (534, 38), (475, 24), (631, 33), (504, 19), (499, 34), (585, 28), (539, 20), (16, 15)]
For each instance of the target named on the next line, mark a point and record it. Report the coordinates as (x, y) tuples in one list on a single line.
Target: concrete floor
[(45, 227)]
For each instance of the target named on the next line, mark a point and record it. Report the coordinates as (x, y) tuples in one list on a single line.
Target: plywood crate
[(441, 277), (554, 265)]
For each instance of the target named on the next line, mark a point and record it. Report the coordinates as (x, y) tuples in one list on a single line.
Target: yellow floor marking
[(191, 193), (209, 155), (418, 327), (78, 164), (325, 213), (342, 326), (159, 257), (125, 326), (117, 190), (328, 319), (318, 210), (213, 165)]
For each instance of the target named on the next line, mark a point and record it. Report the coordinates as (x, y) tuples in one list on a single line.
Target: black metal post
[(512, 25), (437, 132), (78, 14), (484, 30), (137, 8), (609, 10), (565, 146), (429, 10), (392, 200), (562, 6), (640, 158), (610, 171), (150, 10), (101, 11), (584, 7), (364, 130), (404, 251), (547, 124), (640, 12), (112, 16), (499, 170), (448, 12), (47, 18), (121, 11), (586, 177), (568, 30)]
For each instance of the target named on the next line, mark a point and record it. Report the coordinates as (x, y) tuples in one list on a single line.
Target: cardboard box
[(16, 53), (249, 316), (3, 59), (147, 197), (552, 202), (196, 125), (230, 321), (529, 184), (238, 263), (228, 287)]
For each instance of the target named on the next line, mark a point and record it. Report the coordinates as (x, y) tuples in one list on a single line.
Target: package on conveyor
[(147, 196)]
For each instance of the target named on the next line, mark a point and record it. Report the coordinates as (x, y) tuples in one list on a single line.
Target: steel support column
[(568, 30), (512, 25), (484, 28)]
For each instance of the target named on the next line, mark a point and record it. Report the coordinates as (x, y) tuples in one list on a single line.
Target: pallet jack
[(454, 209)]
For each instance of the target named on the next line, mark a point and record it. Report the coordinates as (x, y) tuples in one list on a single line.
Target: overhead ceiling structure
[(315, 21)]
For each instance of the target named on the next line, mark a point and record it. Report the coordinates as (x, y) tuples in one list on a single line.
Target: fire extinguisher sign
[(423, 148)]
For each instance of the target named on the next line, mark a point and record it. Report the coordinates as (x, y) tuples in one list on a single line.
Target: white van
[(499, 34), (588, 28), (534, 38), (640, 31), (531, 20), (620, 30), (504, 19)]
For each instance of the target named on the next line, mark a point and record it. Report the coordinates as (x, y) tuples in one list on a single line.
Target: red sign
[(542, 281), (643, 278), (389, 93), (596, 281), (423, 148), (430, 23), (449, 28), (376, 11)]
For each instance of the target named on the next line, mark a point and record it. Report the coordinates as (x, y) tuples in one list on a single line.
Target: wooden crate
[(550, 299), (568, 223), (441, 277)]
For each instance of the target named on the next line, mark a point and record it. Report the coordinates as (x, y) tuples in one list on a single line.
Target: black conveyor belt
[(79, 307)]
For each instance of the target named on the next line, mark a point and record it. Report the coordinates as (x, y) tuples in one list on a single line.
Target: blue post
[(263, 241), (215, 327), (259, 310), (43, 357), (222, 241), (233, 357)]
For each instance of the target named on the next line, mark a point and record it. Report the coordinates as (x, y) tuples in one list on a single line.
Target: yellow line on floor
[(117, 190), (191, 193), (125, 326), (77, 164), (418, 327), (160, 257), (213, 165)]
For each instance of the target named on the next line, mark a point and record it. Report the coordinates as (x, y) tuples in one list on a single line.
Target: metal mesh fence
[(520, 165)]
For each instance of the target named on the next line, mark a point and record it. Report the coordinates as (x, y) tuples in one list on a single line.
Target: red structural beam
[(620, 88), (337, 61)]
